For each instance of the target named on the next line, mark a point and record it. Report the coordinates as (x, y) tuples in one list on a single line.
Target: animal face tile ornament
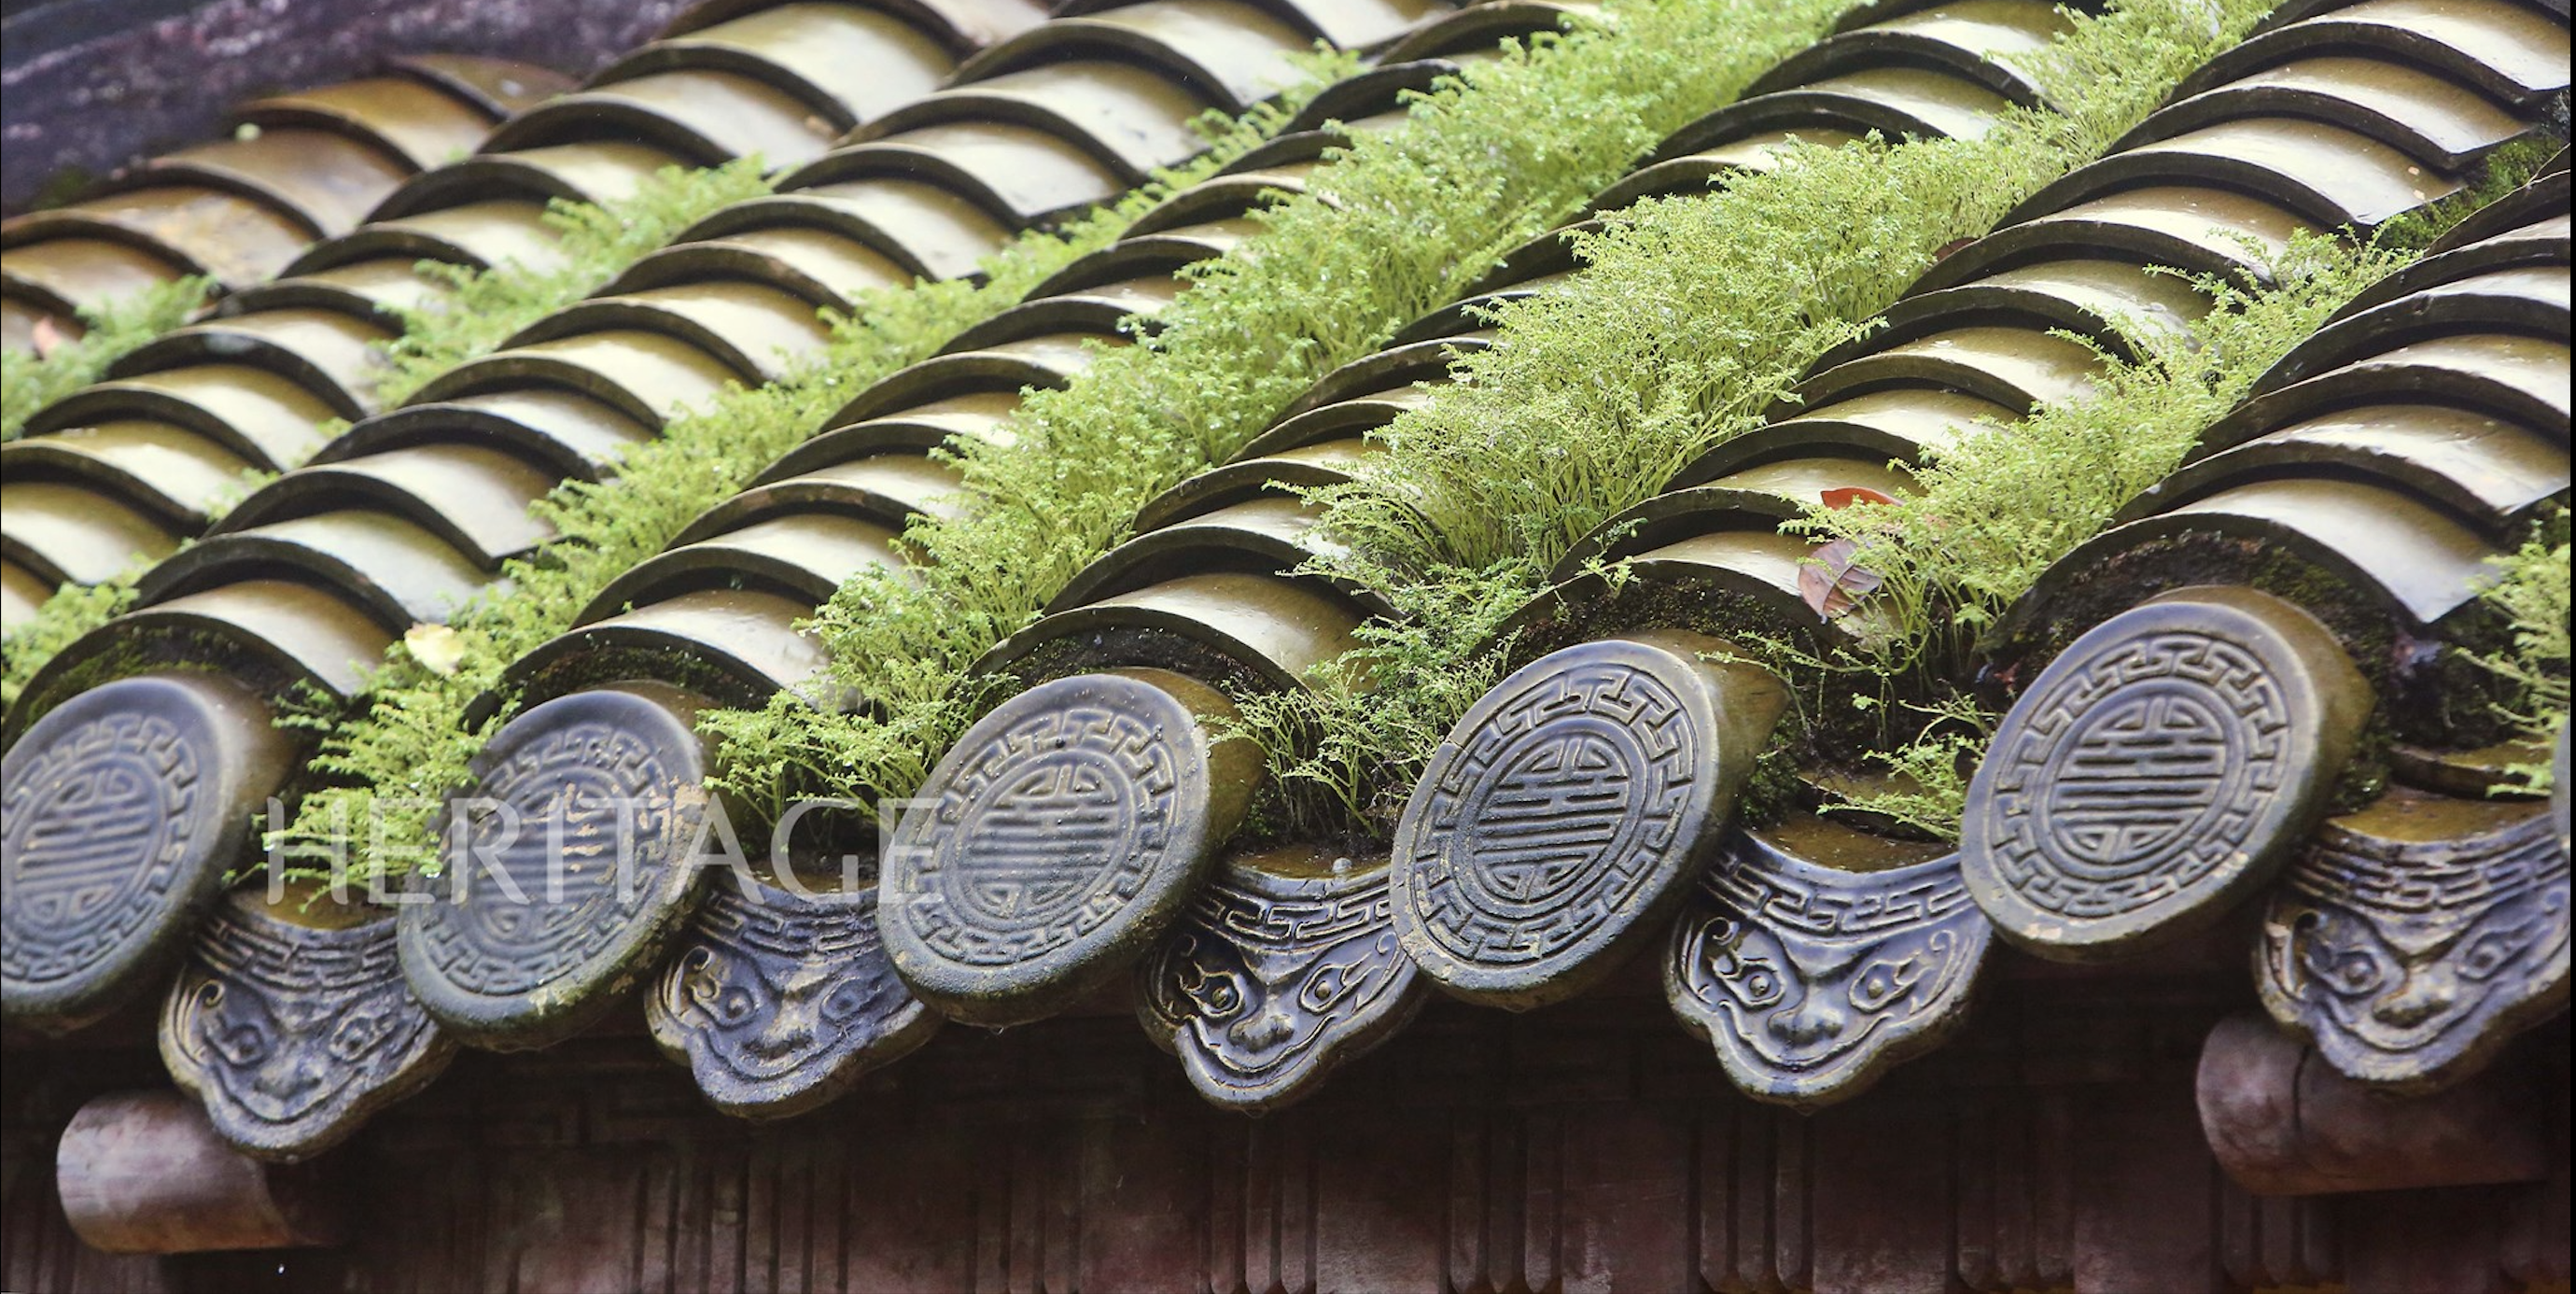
[(1285, 967), (290, 1034), (779, 1002), (1058, 840), (120, 811), (2159, 771), (2415, 938), (569, 877), (1810, 981), (1557, 827)]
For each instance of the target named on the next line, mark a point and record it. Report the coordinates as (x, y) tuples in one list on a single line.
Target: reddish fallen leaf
[(1951, 248), (1831, 583), (1843, 496), (47, 337)]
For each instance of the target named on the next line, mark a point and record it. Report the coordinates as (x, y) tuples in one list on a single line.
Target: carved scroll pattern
[(1270, 981), (1811, 981), (778, 1002), (1066, 816), (291, 1035), (97, 827), (550, 886), (1546, 823), (2409, 962)]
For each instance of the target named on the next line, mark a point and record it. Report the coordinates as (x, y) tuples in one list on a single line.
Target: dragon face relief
[(1811, 981), (765, 1017), (2409, 960), (778, 1002), (1255, 1013), (1275, 977), (291, 1034)]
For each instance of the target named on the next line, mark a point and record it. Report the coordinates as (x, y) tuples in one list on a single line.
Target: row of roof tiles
[(1064, 114), (917, 139), (298, 167), (1080, 832)]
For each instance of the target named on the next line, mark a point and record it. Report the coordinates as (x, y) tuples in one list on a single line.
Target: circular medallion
[(122, 809), (567, 868), (1556, 827), (2159, 769), (1057, 839)]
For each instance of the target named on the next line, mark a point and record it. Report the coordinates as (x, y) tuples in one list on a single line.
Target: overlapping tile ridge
[(2226, 702)]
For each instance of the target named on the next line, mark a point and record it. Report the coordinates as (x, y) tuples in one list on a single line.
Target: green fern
[(72, 611), (1690, 316), (1998, 508), (1399, 226), (481, 308), (29, 381), (1990, 515), (2530, 591), (407, 746)]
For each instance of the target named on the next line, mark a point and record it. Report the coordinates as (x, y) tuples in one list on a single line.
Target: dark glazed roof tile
[(963, 25), (326, 352), (170, 472), (1128, 118), (2431, 119), (706, 117), (499, 86), (804, 49), (398, 572), (63, 533), (1018, 175), (2395, 452), (1346, 24), (1478, 27), (476, 234), (757, 331), (2198, 230), (225, 236), (820, 268), (410, 119), (747, 635), (1972, 40), (2510, 52), (927, 230), (2330, 176), (576, 436), (473, 497), (2489, 471), (271, 420), (804, 554), (592, 171), (648, 376), (59, 275), (885, 488), (1227, 51)]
